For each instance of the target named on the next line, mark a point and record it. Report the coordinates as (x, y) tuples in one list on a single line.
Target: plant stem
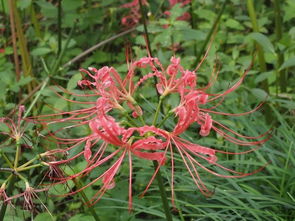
[(86, 200), (159, 107), (211, 32), (157, 111), (255, 27), (59, 26), (162, 192), (17, 153), (281, 75), (144, 21)]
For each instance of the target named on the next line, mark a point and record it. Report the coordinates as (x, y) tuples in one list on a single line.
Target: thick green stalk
[(162, 192), (281, 75), (255, 27)]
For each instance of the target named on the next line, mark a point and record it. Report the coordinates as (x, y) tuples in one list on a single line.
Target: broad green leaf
[(262, 40), (24, 4), (259, 93), (44, 216), (40, 51), (73, 81), (289, 63), (234, 24), (79, 217)]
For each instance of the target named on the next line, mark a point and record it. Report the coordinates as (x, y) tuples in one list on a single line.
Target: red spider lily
[(105, 128), (153, 143)]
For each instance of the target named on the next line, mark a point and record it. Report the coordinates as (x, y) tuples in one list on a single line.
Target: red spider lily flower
[(105, 128), (111, 143)]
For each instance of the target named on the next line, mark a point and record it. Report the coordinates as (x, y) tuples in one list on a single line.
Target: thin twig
[(93, 48)]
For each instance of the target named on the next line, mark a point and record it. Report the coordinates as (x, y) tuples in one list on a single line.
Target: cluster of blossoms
[(113, 140)]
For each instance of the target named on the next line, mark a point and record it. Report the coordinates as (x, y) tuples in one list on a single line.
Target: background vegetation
[(44, 43)]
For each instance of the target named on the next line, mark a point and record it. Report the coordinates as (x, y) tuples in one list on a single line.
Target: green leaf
[(44, 216), (234, 24), (40, 51), (289, 63), (263, 41), (259, 93), (79, 217), (73, 81), (23, 4)]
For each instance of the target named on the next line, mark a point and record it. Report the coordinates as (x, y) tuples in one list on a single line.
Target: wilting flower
[(111, 141), (28, 196), (3, 195), (16, 131)]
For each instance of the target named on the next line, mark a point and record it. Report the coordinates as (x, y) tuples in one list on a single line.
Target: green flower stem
[(159, 108), (6, 159), (29, 162), (162, 192), (86, 200), (158, 111), (29, 167), (165, 118), (45, 82), (17, 153)]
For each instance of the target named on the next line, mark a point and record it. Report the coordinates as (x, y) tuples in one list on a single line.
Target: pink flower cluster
[(117, 137)]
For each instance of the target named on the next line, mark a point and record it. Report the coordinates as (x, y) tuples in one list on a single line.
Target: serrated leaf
[(263, 41), (289, 63)]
